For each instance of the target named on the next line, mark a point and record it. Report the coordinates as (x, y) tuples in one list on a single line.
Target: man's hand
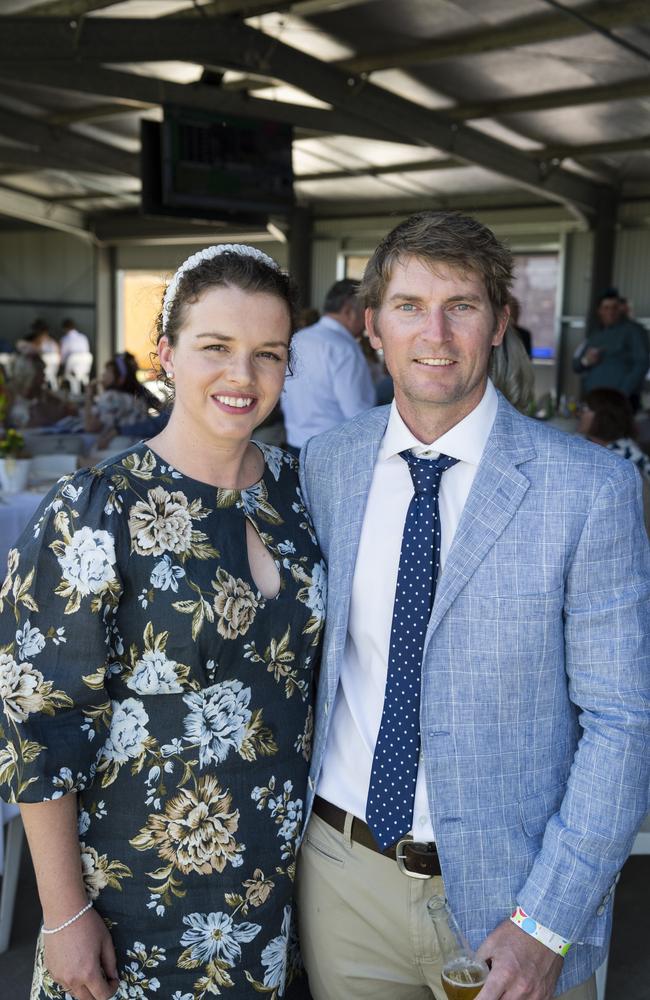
[(81, 958), (591, 357), (521, 967)]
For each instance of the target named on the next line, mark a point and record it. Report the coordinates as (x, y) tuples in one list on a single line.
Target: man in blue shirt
[(331, 380)]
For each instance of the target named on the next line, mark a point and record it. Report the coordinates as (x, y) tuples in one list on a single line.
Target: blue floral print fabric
[(141, 667)]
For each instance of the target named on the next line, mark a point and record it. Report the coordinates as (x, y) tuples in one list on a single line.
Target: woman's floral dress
[(141, 667)]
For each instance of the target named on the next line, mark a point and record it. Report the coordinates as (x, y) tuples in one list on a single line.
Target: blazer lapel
[(353, 477), (497, 491)]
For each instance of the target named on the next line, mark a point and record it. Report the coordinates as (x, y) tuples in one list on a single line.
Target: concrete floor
[(629, 960)]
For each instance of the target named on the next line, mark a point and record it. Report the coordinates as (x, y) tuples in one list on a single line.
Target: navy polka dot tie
[(389, 809)]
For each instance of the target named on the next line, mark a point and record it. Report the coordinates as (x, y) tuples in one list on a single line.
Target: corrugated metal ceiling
[(586, 131)]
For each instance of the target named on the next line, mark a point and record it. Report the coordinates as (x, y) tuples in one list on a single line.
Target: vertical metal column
[(300, 249), (105, 313), (602, 261)]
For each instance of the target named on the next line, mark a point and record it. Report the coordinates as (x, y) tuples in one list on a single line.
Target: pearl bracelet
[(55, 930)]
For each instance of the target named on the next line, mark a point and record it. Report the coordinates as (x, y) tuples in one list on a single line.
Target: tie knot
[(426, 473)]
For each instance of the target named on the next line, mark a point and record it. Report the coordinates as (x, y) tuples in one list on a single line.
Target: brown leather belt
[(417, 860)]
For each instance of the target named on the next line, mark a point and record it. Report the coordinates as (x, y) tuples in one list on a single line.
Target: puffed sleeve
[(57, 607)]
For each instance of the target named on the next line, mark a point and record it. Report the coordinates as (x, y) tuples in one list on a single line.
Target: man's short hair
[(340, 294), (441, 237)]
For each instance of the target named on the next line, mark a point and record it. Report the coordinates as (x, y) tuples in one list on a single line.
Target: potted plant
[(14, 462)]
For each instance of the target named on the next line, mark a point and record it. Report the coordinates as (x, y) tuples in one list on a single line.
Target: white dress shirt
[(73, 342), (347, 764), (331, 381)]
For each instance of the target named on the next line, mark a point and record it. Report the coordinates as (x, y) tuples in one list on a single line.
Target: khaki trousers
[(364, 927)]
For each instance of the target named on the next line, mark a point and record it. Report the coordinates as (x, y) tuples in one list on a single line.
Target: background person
[(616, 354), (330, 379), (122, 399), (525, 336), (155, 672), (496, 738), (511, 371), (31, 402), (72, 341), (606, 418)]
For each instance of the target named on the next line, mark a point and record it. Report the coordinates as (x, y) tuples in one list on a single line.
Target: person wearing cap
[(615, 354)]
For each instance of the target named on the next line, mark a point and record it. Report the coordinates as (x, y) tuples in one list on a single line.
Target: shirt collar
[(465, 441)]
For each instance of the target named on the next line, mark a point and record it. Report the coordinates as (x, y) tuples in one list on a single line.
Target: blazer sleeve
[(607, 649)]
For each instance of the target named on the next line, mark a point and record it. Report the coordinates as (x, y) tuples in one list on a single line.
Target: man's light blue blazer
[(535, 709)]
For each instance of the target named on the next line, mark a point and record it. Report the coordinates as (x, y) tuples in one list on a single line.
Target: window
[(141, 295), (535, 288)]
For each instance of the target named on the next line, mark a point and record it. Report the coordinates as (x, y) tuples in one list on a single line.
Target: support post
[(300, 233), (602, 261), (105, 313)]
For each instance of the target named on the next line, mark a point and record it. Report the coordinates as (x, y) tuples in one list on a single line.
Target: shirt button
[(600, 911), (326, 707), (423, 821)]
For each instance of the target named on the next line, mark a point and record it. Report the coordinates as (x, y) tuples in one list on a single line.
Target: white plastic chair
[(77, 370), (7, 362), (52, 363), (10, 818)]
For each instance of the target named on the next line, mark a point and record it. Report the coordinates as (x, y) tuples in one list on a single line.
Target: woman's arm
[(79, 957)]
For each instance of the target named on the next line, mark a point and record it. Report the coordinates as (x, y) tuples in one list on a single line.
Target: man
[(72, 341), (615, 355), (506, 729), (331, 380)]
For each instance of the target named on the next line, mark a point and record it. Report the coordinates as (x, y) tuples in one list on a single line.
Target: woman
[(122, 400), (606, 417), (156, 672), (32, 404)]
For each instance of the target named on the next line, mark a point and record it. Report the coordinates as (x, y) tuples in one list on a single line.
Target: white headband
[(207, 254)]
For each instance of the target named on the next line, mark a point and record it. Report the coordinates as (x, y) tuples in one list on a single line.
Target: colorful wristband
[(542, 934)]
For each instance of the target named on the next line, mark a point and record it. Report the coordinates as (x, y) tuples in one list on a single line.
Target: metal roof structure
[(396, 104)]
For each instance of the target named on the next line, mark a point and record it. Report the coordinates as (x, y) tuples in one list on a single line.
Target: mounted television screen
[(216, 167)]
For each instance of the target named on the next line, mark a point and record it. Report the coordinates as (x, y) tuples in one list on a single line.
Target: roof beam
[(95, 112), (546, 154), (532, 30), (28, 208), (563, 152), (17, 159), (62, 143), (66, 8), (412, 166), (143, 90), (233, 44), (608, 92), (253, 8)]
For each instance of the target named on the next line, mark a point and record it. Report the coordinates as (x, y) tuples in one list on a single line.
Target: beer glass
[(463, 974)]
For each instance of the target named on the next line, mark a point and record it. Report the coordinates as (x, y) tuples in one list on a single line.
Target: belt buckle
[(400, 857)]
